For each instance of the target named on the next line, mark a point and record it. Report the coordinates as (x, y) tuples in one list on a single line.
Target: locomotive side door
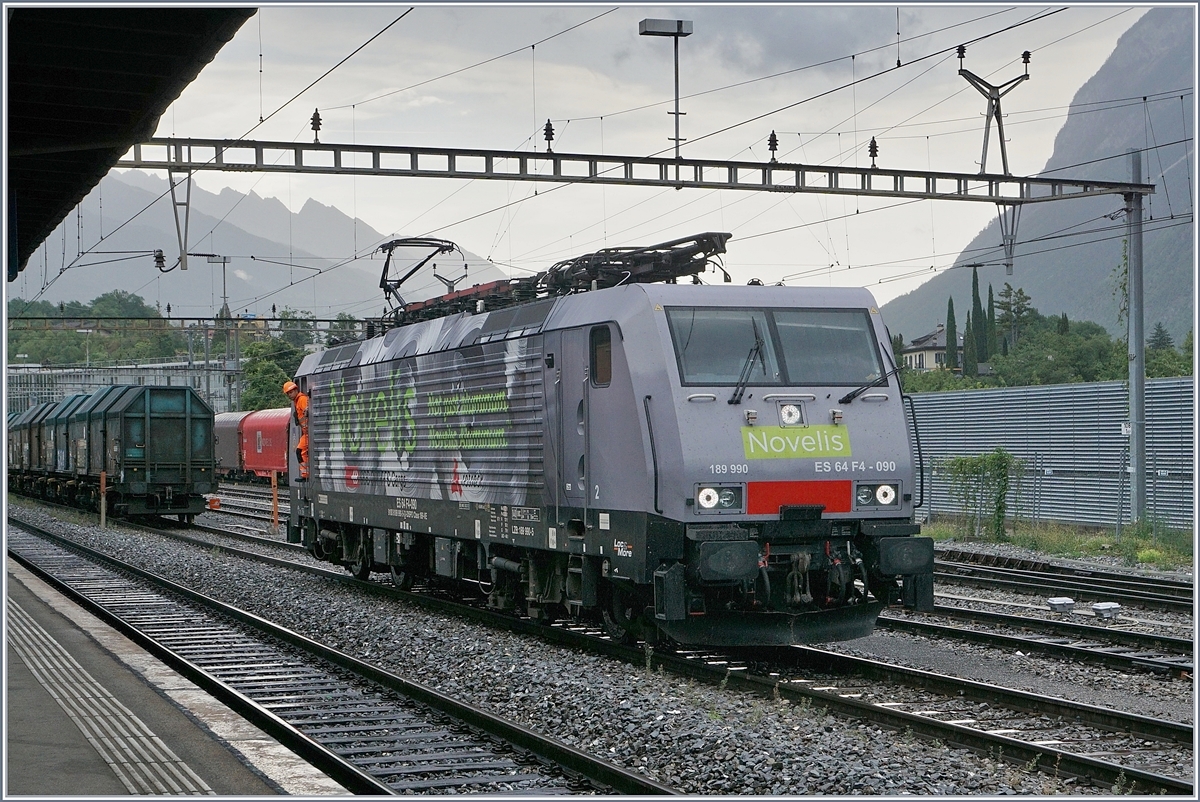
[(573, 417)]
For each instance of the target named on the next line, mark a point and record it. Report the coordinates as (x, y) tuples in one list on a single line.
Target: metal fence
[(30, 385), (1072, 442)]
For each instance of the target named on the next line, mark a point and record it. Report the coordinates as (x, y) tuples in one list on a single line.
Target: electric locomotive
[(715, 465)]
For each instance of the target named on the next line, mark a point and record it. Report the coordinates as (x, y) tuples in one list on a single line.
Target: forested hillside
[(1069, 254)]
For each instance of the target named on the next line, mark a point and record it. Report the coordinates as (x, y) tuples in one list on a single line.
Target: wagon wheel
[(619, 616), (401, 577), (360, 569)]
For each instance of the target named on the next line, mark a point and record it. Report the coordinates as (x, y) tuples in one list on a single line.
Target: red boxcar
[(228, 443), (265, 441)]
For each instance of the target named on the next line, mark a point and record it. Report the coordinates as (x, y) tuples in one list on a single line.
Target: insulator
[(316, 124), (772, 144), (873, 148), (1025, 56), (548, 133), (160, 261), (168, 310), (962, 52)]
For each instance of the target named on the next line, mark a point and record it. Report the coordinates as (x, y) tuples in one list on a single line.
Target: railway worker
[(300, 415)]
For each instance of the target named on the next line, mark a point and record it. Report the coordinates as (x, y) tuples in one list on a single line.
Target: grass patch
[(1139, 544)]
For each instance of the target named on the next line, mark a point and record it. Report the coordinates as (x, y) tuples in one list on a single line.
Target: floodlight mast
[(676, 29)]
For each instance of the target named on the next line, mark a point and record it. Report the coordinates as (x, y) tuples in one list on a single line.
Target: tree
[(1160, 338), (297, 327), (1064, 325), (101, 341), (345, 328), (951, 337), (993, 336), (970, 365), (269, 363), (1015, 309), (978, 320), (897, 348)]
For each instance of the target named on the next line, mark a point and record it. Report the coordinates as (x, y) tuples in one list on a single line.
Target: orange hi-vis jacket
[(300, 413)]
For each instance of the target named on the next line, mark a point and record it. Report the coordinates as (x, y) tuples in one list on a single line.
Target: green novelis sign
[(777, 442), (373, 418), (383, 419)]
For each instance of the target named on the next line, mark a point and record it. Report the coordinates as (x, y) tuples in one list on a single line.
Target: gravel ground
[(1111, 563), (699, 738)]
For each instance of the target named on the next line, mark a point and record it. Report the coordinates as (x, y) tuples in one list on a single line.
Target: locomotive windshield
[(800, 346), (713, 345)]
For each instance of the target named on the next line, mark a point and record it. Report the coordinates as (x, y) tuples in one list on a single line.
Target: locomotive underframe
[(644, 575)]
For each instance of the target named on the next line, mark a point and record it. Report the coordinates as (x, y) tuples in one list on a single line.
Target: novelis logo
[(776, 442)]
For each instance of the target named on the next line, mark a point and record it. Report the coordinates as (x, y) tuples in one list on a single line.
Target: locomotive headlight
[(885, 494), (865, 494), (727, 498), (708, 498), (789, 414)]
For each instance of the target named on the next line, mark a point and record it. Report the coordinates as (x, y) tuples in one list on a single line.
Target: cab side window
[(601, 361)]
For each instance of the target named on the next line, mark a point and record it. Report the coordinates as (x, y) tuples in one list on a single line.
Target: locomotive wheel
[(884, 590), (840, 581), (619, 617), (401, 578)]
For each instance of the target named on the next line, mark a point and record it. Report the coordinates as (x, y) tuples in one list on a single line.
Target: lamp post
[(87, 346), (675, 28)]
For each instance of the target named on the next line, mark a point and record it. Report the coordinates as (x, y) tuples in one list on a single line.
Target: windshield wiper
[(756, 352), (853, 394)]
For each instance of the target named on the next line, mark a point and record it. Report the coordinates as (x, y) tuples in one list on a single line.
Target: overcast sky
[(608, 90)]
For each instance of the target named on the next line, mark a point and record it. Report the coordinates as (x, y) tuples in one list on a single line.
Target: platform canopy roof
[(84, 85)]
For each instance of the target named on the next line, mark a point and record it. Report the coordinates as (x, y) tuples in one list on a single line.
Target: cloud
[(243, 275)]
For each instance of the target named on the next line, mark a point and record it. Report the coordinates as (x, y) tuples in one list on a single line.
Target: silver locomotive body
[(720, 465)]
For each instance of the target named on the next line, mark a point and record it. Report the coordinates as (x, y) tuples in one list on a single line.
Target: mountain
[(274, 254), (1068, 251)]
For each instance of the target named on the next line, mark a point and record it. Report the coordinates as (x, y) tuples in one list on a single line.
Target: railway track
[(1089, 644), (980, 717), (1154, 593), (372, 731), (1109, 646)]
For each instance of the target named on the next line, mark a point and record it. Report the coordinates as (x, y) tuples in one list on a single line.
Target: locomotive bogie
[(716, 465)]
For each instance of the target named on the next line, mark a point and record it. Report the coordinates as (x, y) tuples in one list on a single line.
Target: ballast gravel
[(698, 738)]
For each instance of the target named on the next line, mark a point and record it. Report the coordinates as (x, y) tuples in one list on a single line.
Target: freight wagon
[(153, 444), (252, 445)]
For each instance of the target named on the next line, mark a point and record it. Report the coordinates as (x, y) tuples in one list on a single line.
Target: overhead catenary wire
[(943, 51)]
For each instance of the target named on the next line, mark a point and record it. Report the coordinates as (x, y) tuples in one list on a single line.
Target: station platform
[(90, 713)]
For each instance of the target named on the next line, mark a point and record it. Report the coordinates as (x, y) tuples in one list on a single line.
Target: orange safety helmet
[(288, 387)]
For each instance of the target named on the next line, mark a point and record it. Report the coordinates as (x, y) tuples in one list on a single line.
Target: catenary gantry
[(187, 155)]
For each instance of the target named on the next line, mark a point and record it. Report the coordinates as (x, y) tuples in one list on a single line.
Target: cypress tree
[(951, 337), (978, 321), (993, 335), (970, 351), (1064, 325)]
